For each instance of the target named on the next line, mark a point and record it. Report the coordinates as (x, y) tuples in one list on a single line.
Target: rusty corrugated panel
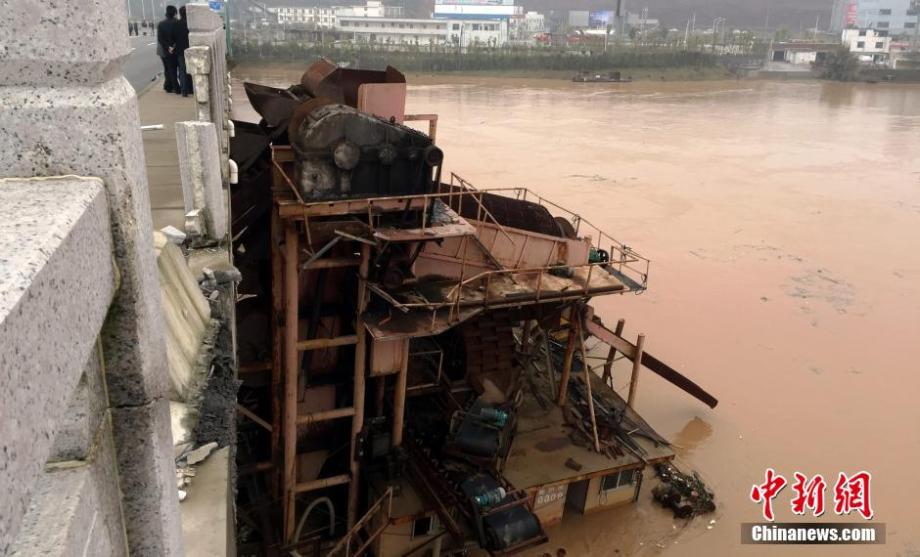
[(515, 213), (274, 105), (325, 79)]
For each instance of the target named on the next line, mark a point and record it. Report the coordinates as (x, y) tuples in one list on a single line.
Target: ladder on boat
[(366, 530)]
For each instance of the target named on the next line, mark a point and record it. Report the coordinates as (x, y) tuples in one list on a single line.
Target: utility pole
[(915, 5)]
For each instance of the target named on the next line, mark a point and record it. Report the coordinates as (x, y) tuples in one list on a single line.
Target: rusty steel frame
[(432, 123), (289, 210)]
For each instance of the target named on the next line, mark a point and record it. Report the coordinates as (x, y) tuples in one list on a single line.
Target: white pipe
[(152, 127), (234, 172), (303, 518)]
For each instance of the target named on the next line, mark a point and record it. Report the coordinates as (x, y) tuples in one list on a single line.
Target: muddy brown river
[(783, 224)]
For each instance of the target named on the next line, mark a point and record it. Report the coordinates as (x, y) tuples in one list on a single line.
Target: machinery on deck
[(397, 337)]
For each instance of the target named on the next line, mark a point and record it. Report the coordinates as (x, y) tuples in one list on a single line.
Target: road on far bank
[(143, 65)]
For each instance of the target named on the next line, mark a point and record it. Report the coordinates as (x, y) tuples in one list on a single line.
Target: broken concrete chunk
[(201, 453), (226, 276), (195, 224), (173, 234)]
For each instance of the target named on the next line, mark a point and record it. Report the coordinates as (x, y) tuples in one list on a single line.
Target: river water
[(783, 224)]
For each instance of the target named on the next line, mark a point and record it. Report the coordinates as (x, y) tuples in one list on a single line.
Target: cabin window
[(618, 480), (861, 44), (879, 46), (422, 527)]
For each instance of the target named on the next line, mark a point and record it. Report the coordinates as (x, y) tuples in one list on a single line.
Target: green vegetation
[(440, 59), (840, 65)]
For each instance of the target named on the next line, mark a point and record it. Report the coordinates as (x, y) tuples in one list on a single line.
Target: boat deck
[(543, 444)]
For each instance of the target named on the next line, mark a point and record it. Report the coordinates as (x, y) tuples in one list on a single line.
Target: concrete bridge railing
[(87, 464)]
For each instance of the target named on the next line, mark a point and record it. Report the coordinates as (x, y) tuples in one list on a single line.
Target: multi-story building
[(888, 17), (372, 8), (869, 45), (318, 16), (436, 31), (386, 30)]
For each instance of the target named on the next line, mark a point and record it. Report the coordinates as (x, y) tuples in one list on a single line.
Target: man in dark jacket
[(185, 80), (166, 49)]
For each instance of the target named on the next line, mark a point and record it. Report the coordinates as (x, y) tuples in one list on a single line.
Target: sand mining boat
[(609, 77), (412, 348)]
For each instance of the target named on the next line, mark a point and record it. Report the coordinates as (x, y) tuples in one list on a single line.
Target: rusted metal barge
[(413, 349)]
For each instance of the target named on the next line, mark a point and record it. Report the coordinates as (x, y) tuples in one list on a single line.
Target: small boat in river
[(609, 77)]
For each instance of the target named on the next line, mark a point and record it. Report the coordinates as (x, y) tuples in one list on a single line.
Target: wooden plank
[(325, 416), (322, 483), (634, 377), (322, 343), (596, 328), (333, 263), (669, 374), (254, 417)]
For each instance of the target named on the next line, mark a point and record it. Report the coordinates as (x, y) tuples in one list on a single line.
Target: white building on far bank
[(869, 45), (389, 30), (318, 16)]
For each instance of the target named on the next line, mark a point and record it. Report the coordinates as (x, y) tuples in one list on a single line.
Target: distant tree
[(840, 65)]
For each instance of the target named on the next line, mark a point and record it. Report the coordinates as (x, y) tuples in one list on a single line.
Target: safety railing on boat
[(626, 261), (456, 300)]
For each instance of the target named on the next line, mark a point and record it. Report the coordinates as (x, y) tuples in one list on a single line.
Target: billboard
[(601, 19), (474, 2), (851, 13)]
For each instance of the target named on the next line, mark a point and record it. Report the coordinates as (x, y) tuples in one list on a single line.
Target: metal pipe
[(586, 376), (399, 398), (637, 364), (569, 356), (357, 423), (608, 365), (291, 317)]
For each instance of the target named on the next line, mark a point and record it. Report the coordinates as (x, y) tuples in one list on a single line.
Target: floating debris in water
[(686, 495)]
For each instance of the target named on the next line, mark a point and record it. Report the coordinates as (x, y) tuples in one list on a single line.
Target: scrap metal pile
[(686, 495), (614, 425)]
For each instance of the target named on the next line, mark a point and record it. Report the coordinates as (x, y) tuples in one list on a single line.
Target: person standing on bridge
[(185, 80), (166, 49)]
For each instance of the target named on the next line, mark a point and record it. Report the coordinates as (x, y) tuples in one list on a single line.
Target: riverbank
[(532, 62), (636, 74), (283, 70)]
